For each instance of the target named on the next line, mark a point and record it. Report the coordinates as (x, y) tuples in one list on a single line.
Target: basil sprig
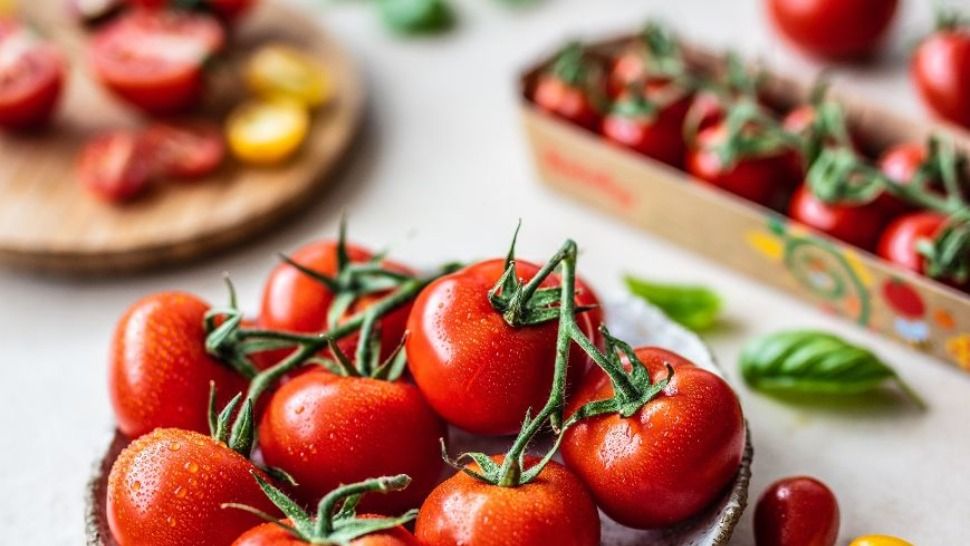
[(814, 362), (694, 307)]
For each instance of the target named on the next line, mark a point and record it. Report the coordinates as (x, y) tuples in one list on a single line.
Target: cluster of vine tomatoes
[(803, 160), (347, 383)]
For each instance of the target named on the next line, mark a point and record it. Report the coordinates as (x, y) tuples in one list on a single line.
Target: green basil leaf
[(814, 362), (415, 16), (694, 307)]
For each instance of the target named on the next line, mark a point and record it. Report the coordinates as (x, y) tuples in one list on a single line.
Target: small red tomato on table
[(799, 511), (570, 89), (115, 166), (940, 69), (31, 77), (650, 122), (155, 59), (835, 29)]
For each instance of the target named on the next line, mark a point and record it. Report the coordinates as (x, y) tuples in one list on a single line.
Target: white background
[(442, 172)]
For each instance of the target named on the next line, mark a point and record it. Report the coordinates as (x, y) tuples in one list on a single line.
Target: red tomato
[(554, 509), (680, 450), (154, 59), (900, 163), (228, 10), (766, 180), (31, 77), (572, 103), (327, 430), (185, 150), (658, 134), (115, 166), (898, 243), (167, 489), (797, 511), (292, 301), (476, 371), (833, 28), (941, 72), (270, 534), (858, 225), (159, 372)]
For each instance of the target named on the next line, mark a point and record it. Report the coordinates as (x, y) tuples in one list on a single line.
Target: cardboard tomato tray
[(754, 240)]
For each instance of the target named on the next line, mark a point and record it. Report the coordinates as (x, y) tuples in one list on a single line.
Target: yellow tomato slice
[(879, 540), (267, 132), (281, 71)]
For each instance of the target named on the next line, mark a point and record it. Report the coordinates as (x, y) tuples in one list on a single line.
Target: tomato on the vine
[(858, 225), (900, 163), (326, 430), (798, 511), (765, 179), (31, 77), (477, 371), (553, 509), (271, 534), (155, 59), (833, 28), (679, 450), (651, 125), (167, 488), (185, 149), (115, 166), (159, 372), (900, 240), (566, 89), (295, 302), (227, 10), (941, 72)]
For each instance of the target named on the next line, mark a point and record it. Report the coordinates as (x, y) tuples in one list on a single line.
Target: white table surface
[(443, 172)]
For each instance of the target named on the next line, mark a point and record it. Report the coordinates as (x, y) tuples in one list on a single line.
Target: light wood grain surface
[(48, 221)]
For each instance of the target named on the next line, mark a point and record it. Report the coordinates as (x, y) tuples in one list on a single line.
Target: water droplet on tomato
[(192, 467)]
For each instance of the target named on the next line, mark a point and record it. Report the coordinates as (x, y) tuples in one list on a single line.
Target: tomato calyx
[(336, 521), (948, 20), (574, 68), (827, 128), (751, 132)]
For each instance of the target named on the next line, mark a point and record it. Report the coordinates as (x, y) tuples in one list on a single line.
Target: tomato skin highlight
[(798, 511), (554, 96), (167, 489), (158, 369), (834, 29), (681, 450), (940, 70), (766, 180), (327, 430), (30, 86), (294, 302), (553, 509), (153, 80), (270, 534), (476, 371), (858, 225)]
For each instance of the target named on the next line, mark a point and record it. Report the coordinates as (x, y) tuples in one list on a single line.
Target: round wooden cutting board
[(48, 222)]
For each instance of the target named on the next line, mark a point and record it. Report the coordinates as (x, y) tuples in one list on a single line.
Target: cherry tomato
[(278, 70), (115, 166), (227, 10), (267, 132), (167, 489), (553, 509), (294, 302), (899, 241), (476, 371), (858, 225), (900, 163), (31, 77), (159, 372), (835, 29), (798, 511), (185, 150), (680, 450), (657, 134), (569, 102), (941, 72), (879, 540), (766, 180), (154, 59), (94, 11), (327, 430), (271, 534)]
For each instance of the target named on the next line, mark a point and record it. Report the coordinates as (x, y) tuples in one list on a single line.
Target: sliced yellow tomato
[(879, 540), (282, 71), (266, 132)]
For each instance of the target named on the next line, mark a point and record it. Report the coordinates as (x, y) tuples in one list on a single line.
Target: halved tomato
[(154, 59), (267, 132), (114, 166), (185, 149), (31, 77)]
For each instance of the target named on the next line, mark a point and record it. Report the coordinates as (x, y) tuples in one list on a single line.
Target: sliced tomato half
[(31, 77), (185, 149), (114, 166)]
